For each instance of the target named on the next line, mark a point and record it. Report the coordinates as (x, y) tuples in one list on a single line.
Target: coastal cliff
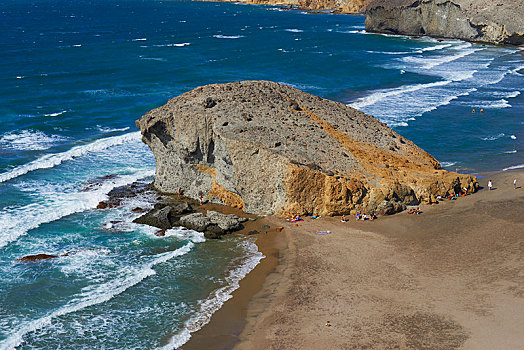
[(500, 22), (268, 148), (338, 6)]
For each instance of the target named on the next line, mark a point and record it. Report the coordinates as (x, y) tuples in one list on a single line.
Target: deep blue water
[(75, 75)]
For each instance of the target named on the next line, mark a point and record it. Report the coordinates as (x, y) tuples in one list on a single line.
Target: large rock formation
[(493, 21), (269, 148), (339, 6)]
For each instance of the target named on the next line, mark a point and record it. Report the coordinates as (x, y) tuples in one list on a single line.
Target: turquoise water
[(75, 75)]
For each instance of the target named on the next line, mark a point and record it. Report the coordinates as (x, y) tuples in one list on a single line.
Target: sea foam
[(15, 222), (219, 36), (217, 298), (27, 140), (100, 294), (54, 159)]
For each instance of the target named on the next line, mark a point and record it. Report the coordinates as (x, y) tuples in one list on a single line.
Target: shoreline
[(228, 322), (414, 285)]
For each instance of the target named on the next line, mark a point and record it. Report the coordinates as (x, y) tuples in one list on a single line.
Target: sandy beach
[(448, 278)]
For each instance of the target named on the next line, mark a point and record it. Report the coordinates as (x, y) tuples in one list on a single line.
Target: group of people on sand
[(295, 218), (415, 211), (365, 217)]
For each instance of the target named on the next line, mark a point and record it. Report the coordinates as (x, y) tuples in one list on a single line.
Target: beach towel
[(323, 232)]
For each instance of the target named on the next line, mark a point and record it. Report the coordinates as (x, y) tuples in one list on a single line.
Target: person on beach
[(179, 192), (515, 183), (490, 185), (343, 218), (200, 198)]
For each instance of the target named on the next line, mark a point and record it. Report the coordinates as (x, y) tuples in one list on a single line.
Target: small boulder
[(197, 221), (181, 208), (228, 223), (157, 218), (37, 257)]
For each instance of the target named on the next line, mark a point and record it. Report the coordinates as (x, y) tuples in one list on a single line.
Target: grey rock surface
[(500, 21), (268, 148), (160, 218)]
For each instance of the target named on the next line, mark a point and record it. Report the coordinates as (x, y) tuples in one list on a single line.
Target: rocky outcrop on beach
[(490, 21), (268, 148)]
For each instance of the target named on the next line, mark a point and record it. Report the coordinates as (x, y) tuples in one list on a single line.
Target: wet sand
[(445, 279)]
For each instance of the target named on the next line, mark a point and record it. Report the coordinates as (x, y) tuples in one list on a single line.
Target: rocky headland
[(268, 148), (499, 22), (336, 6)]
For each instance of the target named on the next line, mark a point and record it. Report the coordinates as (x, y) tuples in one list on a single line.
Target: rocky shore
[(336, 6), (268, 148), (498, 22)]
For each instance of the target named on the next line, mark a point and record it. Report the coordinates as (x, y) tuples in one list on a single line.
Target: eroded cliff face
[(268, 148), (489, 21), (339, 6)]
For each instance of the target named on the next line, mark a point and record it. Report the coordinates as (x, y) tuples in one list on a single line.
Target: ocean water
[(75, 75)]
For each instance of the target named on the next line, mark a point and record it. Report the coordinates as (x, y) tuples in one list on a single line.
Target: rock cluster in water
[(268, 148), (489, 21)]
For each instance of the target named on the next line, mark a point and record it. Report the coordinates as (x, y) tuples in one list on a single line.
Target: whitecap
[(382, 94), (520, 166), (20, 77), (108, 130), (219, 36), (293, 30), (153, 59), (511, 152), (429, 63), (139, 39), (447, 164), (436, 47), (101, 294), (56, 205), (493, 138), (185, 234), (55, 114), (513, 137), (217, 298), (77, 45), (29, 140), (54, 159), (513, 94), (496, 104)]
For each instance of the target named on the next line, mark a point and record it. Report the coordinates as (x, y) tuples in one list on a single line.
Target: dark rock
[(128, 191), (389, 207), (138, 210), (37, 257), (197, 221), (254, 232), (227, 223), (209, 103), (97, 182), (181, 208), (160, 233), (265, 227), (157, 218), (112, 203)]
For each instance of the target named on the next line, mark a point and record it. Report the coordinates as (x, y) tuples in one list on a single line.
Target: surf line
[(102, 294), (54, 159)]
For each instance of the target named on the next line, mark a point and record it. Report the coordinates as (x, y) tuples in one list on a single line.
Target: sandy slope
[(449, 278)]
